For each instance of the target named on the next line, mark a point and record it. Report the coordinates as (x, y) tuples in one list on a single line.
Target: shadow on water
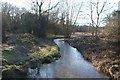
[(70, 65)]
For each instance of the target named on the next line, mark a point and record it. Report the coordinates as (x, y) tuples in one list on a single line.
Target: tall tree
[(97, 8), (69, 15), (41, 17)]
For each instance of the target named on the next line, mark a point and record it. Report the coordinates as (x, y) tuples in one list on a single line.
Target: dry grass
[(105, 56)]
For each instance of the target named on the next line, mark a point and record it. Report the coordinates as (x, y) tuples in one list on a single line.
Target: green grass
[(44, 55), (11, 60), (44, 52), (59, 36), (11, 57), (9, 67)]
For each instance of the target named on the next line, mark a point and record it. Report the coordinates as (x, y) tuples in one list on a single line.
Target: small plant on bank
[(44, 55)]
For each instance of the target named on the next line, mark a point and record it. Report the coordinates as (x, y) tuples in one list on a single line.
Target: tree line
[(53, 20), (37, 22)]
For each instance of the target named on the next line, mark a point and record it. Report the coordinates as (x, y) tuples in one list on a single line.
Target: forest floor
[(104, 55), (21, 51)]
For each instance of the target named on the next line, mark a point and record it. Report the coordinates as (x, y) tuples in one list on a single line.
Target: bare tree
[(91, 16), (41, 16), (96, 9), (69, 15)]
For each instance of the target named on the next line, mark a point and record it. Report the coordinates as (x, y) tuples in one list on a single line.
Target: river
[(70, 65)]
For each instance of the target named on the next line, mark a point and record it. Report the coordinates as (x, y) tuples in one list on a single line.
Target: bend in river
[(70, 65)]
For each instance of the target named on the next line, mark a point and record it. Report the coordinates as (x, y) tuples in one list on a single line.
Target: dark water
[(70, 65)]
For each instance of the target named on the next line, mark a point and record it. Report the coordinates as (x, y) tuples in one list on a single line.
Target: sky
[(22, 3), (26, 3), (81, 20)]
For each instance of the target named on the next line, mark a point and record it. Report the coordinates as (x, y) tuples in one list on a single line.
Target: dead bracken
[(105, 57)]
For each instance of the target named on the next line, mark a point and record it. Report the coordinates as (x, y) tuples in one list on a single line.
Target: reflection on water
[(70, 65)]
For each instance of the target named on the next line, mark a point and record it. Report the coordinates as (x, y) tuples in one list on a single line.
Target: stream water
[(70, 65)]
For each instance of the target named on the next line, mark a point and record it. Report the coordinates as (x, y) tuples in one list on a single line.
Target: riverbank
[(21, 51), (104, 55)]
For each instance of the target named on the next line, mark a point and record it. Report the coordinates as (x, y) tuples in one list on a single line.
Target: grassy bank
[(104, 55), (21, 51)]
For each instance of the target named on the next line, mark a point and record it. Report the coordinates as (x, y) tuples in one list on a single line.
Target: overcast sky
[(22, 3), (81, 19)]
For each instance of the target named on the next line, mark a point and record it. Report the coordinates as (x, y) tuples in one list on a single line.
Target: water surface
[(70, 65)]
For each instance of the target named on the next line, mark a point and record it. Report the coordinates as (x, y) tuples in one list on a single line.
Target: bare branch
[(102, 7), (107, 9), (51, 8), (97, 7), (78, 13)]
